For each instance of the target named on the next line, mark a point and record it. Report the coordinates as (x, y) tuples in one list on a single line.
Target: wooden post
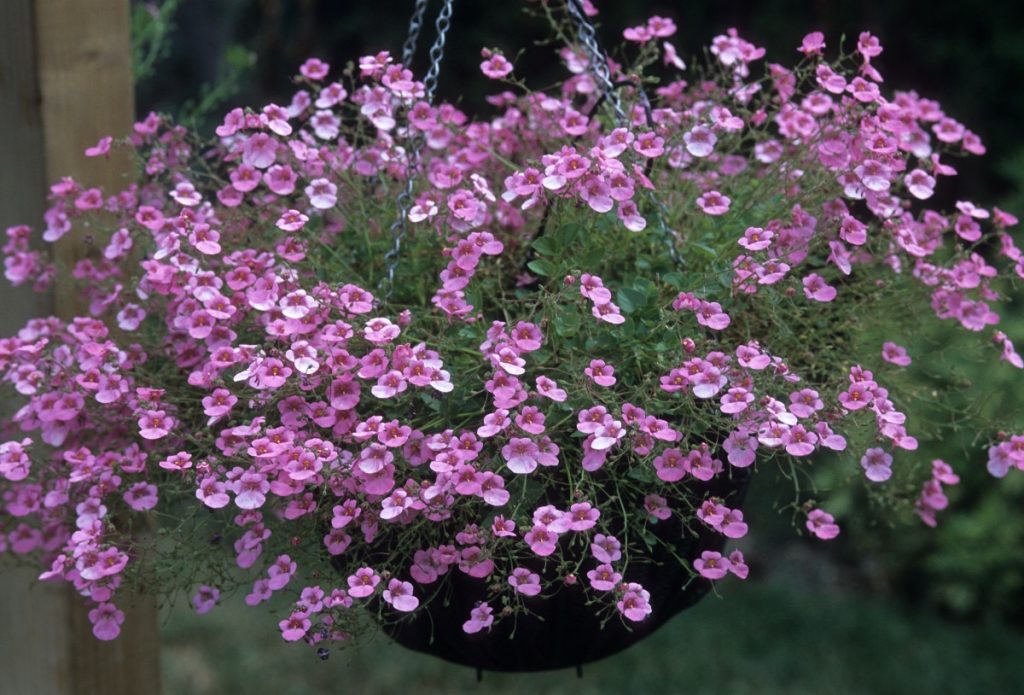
[(65, 81)]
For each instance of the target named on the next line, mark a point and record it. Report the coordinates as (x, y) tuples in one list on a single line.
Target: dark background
[(967, 55)]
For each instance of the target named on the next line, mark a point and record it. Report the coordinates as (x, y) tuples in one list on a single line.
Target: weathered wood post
[(65, 81)]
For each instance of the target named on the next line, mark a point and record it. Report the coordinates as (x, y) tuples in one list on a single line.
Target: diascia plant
[(364, 342)]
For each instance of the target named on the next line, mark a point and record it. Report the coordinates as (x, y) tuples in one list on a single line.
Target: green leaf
[(629, 299), (567, 322), (543, 267), (703, 248), (567, 234), (545, 245)]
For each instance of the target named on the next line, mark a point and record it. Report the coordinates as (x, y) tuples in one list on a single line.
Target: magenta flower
[(606, 548), (714, 203), (141, 496), (700, 141), (251, 490), (155, 424), (106, 621), (604, 578), (601, 373), (805, 403), (280, 573), (541, 540), (295, 626), (815, 288), (856, 397), (363, 583), (635, 602), (525, 582), (895, 354), (711, 565), (205, 599), (669, 465), (877, 465), (580, 517), (738, 565), (399, 595), (521, 455), (480, 618), (756, 239), (822, 524), (530, 420)]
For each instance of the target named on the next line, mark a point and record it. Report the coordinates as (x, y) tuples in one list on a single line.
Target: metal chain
[(596, 57), (415, 24), (444, 22), (399, 227)]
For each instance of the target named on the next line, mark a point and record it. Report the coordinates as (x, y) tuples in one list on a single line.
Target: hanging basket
[(563, 631)]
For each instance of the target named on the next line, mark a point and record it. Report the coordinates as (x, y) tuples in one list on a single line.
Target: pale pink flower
[(205, 598), (711, 565), (400, 596), (877, 465), (822, 524), (895, 354)]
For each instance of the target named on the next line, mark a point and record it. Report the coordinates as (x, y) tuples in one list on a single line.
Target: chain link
[(399, 227), (596, 57), (413, 37)]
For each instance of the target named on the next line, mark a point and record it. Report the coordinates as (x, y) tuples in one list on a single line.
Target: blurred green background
[(890, 606)]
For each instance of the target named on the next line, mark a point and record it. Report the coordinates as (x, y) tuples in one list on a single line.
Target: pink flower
[(251, 490), (101, 148), (531, 420), (815, 288), (495, 66), (549, 389), (895, 354), (542, 539), (155, 424), (714, 203), (205, 599), (292, 221), (106, 620), (314, 69), (877, 465), (711, 565), (700, 141), (322, 194), (738, 565), (822, 524), (804, 403), (601, 373), (363, 583), (606, 548), (812, 44), (798, 441), (649, 144), (521, 455), (855, 398), (295, 626), (604, 578), (582, 516), (736, 400), (525, 582), (388, 385), (480, 618), (756, 239), (635, 602), (669, 465), (400, 596), (141, 496)]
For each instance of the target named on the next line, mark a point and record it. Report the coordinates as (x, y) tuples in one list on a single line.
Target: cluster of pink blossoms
[(253, 375)]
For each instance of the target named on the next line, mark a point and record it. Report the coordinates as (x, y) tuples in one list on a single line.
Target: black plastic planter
[(566, 632)]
